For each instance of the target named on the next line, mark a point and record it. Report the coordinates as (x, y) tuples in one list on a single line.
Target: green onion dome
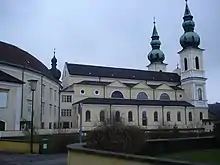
[(189, 38), (155, 55)]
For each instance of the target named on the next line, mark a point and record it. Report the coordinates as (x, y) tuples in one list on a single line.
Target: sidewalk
[(35, 159)]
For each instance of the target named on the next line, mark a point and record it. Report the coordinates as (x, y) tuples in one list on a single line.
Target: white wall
[(25, 75)]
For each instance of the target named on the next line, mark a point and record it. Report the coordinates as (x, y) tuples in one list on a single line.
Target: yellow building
[(147, 98)]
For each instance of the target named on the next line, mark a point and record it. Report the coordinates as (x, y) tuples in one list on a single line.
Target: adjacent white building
[(23, 66)]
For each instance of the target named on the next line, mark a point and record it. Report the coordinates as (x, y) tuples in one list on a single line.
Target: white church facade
[(150, 98)]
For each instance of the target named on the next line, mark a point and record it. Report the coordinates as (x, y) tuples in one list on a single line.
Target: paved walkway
[(28, 159)]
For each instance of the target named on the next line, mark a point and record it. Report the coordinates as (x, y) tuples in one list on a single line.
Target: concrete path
[(28, 159)]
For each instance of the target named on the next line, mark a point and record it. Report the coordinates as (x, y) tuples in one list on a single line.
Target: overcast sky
[(111, 32)]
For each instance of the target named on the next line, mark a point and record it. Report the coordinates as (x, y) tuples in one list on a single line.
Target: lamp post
[(33, 86), (80, 122)]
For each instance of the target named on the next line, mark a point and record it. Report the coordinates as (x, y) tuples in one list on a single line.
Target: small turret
[(54, 71), (155, 55)]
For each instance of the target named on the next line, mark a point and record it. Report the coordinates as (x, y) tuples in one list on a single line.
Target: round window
[(181, 96), (82, 92), (96, 92)]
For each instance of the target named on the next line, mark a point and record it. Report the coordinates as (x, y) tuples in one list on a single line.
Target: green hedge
[(165, 146)]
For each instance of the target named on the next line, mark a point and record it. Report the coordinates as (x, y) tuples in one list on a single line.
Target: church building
[(150, 98)]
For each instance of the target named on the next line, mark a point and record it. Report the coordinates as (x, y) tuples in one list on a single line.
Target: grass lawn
[(199, 156)]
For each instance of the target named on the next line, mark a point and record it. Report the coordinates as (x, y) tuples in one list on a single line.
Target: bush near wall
[(165, 146)]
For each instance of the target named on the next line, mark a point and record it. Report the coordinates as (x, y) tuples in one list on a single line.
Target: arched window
[(130, 116), (117, 94), (144, 118), (2, 126), (155, 116), (88, 115), (197, 62), (178, 116), (201, 115), (190, 116), (117, 116), (164, 96), (102, 116), (200, 94), (185, 64), (168, 116), (142, 96)]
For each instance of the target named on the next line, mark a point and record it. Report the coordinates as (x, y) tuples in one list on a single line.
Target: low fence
[(155, 147), (17, 146)]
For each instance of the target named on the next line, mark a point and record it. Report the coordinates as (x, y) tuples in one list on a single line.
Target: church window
[(200, 94), (197, 62), (130, 116), (102, 116), (142, 96), (96, 92), (117, 94), (178, 116), (117, 116), (185, 64), (155, 116), (144, 118), (82, 91), (201, 115), (164, 96), (168, 116), (190, 116), (88, 115)]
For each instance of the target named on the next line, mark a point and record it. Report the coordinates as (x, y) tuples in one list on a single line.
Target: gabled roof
[(112, 72), (103, 83), (133, 102), (8, 78)]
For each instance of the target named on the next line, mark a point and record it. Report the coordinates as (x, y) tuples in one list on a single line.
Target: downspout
[(175, 95), (138, 116), (163, 115), (59, 108), (130, 92), (153, 94), (22, 93), (41, 99), (185, 117), (104, 91), (110, 114)]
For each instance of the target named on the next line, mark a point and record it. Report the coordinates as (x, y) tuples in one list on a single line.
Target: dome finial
[(54, 60), (156, 55)]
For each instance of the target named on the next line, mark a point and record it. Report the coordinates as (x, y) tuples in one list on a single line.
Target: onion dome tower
[(189, 38), (156, 56), (54, 71), (193, 78)]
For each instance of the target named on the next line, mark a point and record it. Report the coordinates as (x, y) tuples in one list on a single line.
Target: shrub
[(217, 131), (116, 137)]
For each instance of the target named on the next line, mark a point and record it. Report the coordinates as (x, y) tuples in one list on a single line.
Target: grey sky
[(110, 32)]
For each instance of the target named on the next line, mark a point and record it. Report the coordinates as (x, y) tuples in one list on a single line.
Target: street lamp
[(80, 120), (33, 86)]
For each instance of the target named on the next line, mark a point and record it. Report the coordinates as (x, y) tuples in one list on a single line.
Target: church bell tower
[(191, 60)]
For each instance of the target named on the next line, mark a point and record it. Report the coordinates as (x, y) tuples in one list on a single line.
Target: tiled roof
[(12, 55), (112, 72), (133, 102), (215, 110), (102, 83), (8, 78)]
